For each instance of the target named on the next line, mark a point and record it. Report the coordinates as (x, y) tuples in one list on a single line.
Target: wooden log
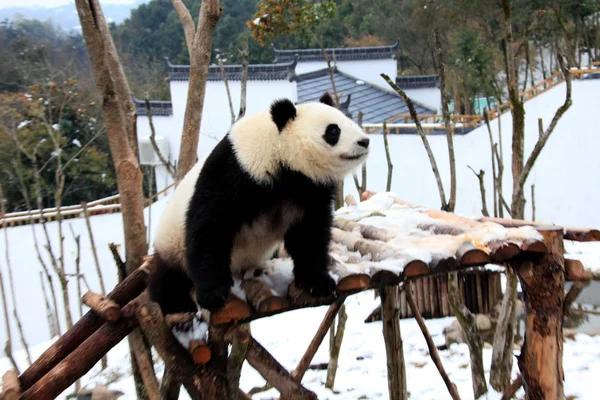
[(431, 345), (469, 255), (274, 373), (426, 297), (367, 231), (200, 383), (420, 295), (396, 368), (350, 200), (263, 297), (445, 305), (312, 348), (535, 247), (103, 306), (540, 361), (200, 352), (86, 355), (505, 252), (479, 289), (435, 301), (415, 268), (378, 250), (11, 387), (403, 304), (572, 295), (353, 283), (574, 270), (240, 340), (384, 277), (348, 239), (299, 297), (592, 235), (234, 310), (124, 292)]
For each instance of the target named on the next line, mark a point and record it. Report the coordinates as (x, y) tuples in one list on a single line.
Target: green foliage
[(32, 122), (290, 17)]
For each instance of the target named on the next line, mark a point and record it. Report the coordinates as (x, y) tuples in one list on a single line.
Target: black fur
[(226, 197), (327, 99), (171, 288), (282, 111), (332, 134)]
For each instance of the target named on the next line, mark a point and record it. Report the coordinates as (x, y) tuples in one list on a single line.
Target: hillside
[(565, 174)]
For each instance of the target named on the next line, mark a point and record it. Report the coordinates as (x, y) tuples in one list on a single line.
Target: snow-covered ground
[(362, 365)]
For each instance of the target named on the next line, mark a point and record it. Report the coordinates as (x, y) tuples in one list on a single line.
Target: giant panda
[(271, 179)]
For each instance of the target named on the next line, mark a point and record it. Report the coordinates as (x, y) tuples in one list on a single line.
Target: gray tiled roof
[(256, 72), (418, 81), (158, 108), (341, 53), (375, 103)]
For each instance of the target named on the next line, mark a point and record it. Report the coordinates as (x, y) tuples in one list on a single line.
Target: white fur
[(261, 149)]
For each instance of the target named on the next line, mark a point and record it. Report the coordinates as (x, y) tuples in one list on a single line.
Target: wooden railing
[(107, 205), (472, 121)]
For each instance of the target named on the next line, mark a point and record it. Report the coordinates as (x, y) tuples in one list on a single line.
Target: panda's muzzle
[(354, 157)]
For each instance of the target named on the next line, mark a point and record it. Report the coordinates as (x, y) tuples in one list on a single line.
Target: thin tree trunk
[(335, 347), (486, 117), (244, 80), (533, 202), (390, 315), (224, 77), (50, 316), (388, 186), (12, 285), (200, 52), (93, 245), (8, 343), (480, 176), (469, 329), (449, 132), (170, 169), (413, 114), (502, 355)]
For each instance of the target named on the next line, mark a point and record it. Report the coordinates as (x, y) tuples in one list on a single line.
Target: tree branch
[(162, 158), (187, 22), (480, 176), (413, 114)]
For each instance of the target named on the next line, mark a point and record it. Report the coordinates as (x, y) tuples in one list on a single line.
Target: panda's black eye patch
[(332, 134)]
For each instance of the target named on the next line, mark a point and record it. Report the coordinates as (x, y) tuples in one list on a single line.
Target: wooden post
[(543, 283), (390, 304)]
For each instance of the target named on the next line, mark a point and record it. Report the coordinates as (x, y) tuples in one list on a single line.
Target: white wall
[(367, 70), (430, 97), (216, 116), (565, 175)]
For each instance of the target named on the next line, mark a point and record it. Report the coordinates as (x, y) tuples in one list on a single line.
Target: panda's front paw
[(318, 284), (212, 300)]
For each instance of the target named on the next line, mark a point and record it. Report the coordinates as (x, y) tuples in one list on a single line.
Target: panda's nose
[(364, 143)]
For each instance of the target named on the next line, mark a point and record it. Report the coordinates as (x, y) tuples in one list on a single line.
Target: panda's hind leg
[(170, 287)]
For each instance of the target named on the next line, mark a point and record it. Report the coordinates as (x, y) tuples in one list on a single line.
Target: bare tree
[(449, 132), (199, 42), (432, 161), (119, 119), (245, 53), (390, 166), (169, 167), (224, 77)]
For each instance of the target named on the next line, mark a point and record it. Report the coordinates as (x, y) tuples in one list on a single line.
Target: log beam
[(11, 387), (390, 310), (86, 355), (124, 292), (540, 361), (103, 306)]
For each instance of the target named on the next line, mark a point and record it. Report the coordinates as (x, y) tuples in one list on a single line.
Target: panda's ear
[(282, 111), (327, 99)]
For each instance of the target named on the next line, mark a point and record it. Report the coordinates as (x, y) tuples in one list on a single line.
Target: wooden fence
[(472, 121), (107, 205)]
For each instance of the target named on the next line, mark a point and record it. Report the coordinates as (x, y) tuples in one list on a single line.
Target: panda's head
[(318, 140), (315, 139)]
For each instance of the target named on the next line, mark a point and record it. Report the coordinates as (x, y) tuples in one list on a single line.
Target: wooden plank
[(426, 298), (478, 284), (420, 294), (396, 368)]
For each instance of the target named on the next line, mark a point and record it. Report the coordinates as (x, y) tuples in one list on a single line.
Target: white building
[(300, 75)]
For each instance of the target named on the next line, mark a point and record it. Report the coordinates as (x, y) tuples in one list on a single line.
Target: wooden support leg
[(543, 283), (273, 372), (84, 357), (390, 313)]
